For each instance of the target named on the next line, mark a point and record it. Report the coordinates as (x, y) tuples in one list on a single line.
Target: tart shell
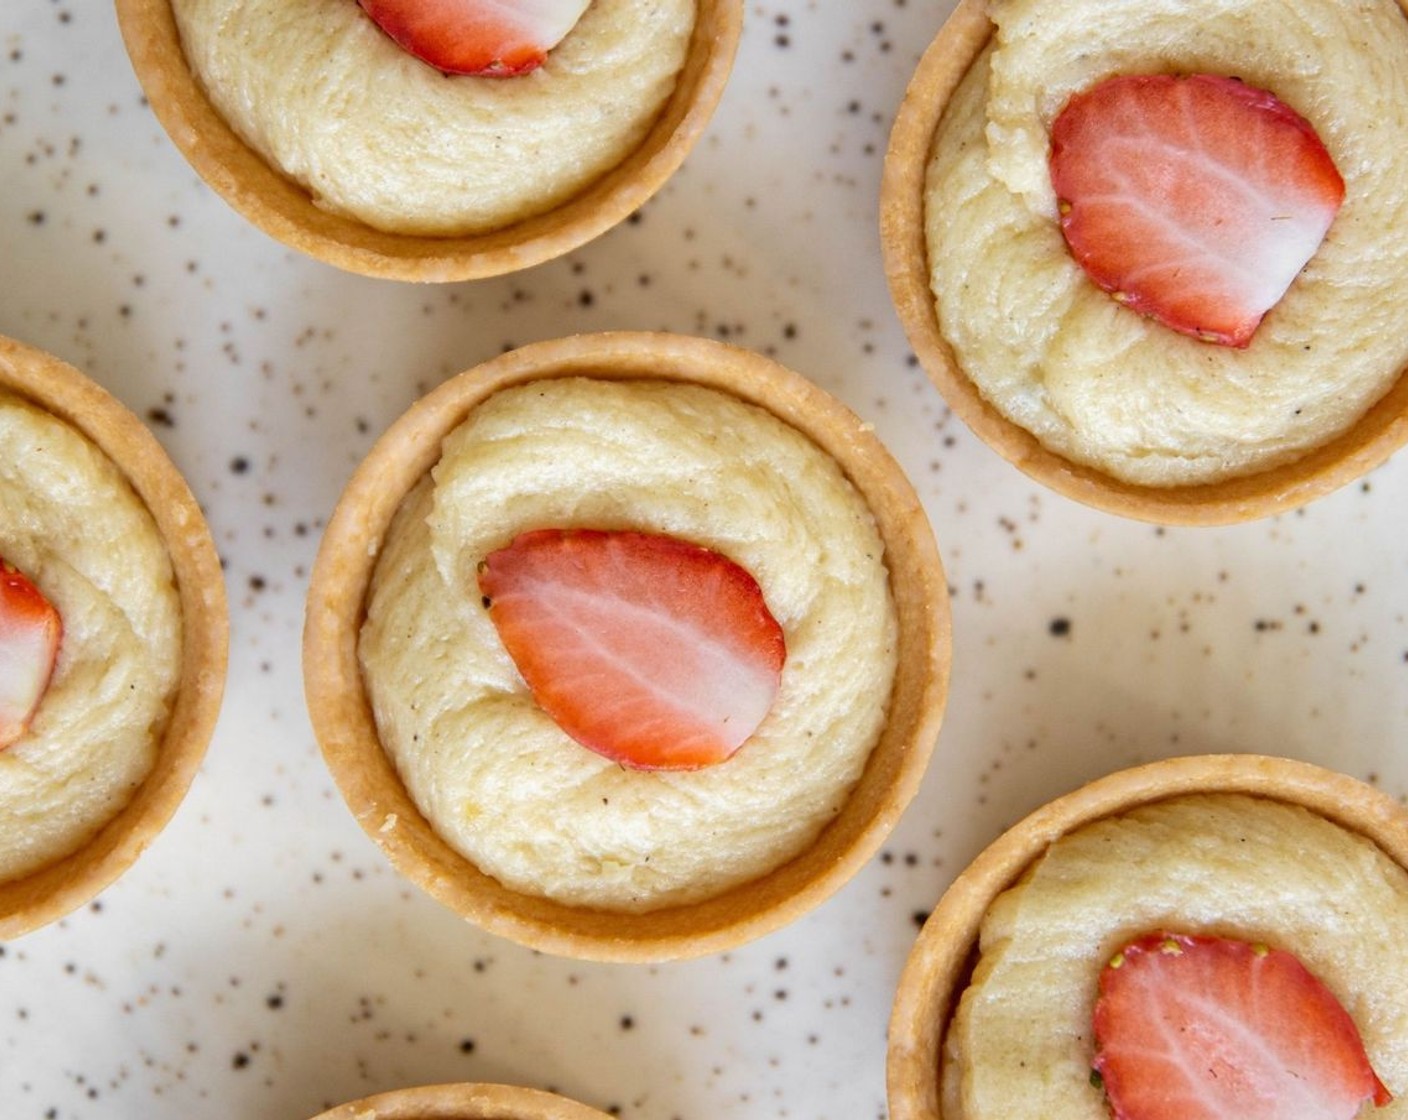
[(49, 893), (346, 730), (1364, 446), (285, 211), (463, 1102), (942, 959)]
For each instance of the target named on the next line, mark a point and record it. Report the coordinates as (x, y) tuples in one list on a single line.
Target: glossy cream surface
[(71, 523), (373, 133), (1100, 384), (493, 773)]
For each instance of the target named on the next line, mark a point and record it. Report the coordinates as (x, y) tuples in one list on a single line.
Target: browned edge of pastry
[(55, 890), (938, 965), (344, 724), (463, 1102), (1370, 441), (285, 211)]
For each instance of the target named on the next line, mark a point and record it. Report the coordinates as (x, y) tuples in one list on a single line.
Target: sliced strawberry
[(492, 38), (29, 643), (1205, 1028), (651, 651), (1194, 200)]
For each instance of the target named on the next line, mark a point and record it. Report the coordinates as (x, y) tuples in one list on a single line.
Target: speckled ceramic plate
[(944, 955), (52, 891), (263, 958), (346, 730), (463, 1102), (285, 211), (1381, 431)]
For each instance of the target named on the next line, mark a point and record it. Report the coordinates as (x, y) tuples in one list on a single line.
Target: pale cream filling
[(374, 133), (497, 778)]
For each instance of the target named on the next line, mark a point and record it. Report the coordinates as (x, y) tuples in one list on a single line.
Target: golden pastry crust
[(1367, 443), (942, 960), (52, 891), (346, 729), (286, 212), (463, 1102)]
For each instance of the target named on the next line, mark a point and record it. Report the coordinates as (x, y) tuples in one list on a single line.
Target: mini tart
[(346, 729), (44, 895), (463, 1102), (1365, 445), (286, 212), (942, 959)]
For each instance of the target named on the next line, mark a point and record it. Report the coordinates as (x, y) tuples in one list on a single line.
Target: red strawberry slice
[(1194, 200), (651, 651), (29, 643), (492, 38), (1204, 1028)]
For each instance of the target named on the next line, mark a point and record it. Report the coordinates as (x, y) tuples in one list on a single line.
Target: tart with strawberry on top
[(1199, 938), (433, 140), (645, 647), (112, 638), (1150, 250)]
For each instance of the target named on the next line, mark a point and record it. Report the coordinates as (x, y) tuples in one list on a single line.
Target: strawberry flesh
[(30, 630), (1190, 1027), (1194, 200), (651, 651), (490, 38)]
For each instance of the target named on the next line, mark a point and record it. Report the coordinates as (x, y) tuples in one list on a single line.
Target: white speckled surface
[(262, 960)]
